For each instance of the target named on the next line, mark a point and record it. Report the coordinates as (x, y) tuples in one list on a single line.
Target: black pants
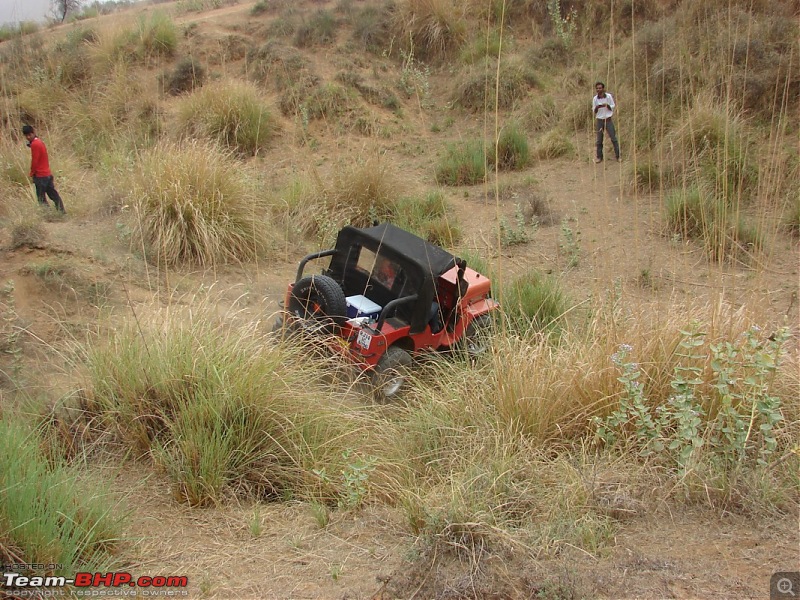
[(602, 125), (44, 185)]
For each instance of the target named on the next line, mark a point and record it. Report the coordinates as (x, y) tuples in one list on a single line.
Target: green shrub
[(463, 164), (195, 204), (701, 215), (646, 176), (512, 153), (428, 218), (187, 75), (225, 410), (47, 514), (535, 300), (232, 113), (157, 37)]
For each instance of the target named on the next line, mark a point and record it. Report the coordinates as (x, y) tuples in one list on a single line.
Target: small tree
[(62, 8)]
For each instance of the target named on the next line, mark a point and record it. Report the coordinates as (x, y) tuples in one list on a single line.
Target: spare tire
[(319, 300)]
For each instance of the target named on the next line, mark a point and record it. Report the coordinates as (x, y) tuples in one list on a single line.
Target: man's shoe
[(598, 160)]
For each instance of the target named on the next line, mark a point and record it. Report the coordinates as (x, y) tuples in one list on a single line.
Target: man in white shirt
[(603, 106)]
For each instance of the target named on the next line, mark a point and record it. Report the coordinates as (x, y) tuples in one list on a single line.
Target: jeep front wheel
[(391, 373), (319, 300)]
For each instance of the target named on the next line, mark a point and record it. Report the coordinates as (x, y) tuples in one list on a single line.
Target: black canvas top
[(394, 242)]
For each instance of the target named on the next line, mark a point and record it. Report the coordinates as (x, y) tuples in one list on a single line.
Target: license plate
[(364, 339)]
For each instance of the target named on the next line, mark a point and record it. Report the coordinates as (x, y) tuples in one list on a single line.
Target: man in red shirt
[(40, 170)]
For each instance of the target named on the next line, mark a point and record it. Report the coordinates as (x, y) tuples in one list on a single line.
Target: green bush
[(187, 75), (463, 164), (157, 37), (232, 113), (535, 300), (47, 513), (225, 410), (428, 218), (195, 204), (512, 153), (701, 215)]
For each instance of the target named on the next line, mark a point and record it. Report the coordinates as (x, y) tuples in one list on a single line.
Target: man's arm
[(35, 156)]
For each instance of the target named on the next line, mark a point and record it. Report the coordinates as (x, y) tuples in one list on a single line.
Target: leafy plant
[(354, 478), (734, 424), (570, 244), (518, 233), (563, 26)]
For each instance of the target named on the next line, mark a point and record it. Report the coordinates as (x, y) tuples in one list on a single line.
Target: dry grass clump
[(712, 148), (553, 144), (277, 64), (724, 232), (358, 193), (28, 232), (319, 30), (482, 89), (372, 27), (195, 204), (430, 29), (231, 113)]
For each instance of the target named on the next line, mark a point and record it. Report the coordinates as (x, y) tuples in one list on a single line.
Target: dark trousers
[(602, 125), (45, 185)]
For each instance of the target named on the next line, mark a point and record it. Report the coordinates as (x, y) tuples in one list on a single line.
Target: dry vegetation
[(172, 141)]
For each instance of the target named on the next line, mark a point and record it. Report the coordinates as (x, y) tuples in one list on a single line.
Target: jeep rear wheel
[(319, 300), (391, 373), (476, 337)]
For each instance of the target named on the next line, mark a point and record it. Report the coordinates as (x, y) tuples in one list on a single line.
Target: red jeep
[(387, 295)]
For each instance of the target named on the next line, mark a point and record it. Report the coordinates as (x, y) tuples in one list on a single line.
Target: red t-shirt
[(40, 165)]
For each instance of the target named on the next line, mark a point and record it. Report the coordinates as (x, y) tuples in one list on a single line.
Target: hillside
[(634, 431)]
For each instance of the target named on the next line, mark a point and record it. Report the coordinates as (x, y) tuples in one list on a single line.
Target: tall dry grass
[(231, 113), (194, 203)]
